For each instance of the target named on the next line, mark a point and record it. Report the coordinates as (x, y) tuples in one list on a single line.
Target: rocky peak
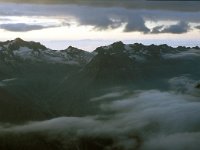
[(18, 40), (115, 48), (118, 44), (72, 49), (18, 43)]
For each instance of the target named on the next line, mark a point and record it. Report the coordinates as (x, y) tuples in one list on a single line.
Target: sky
[(87, 24)]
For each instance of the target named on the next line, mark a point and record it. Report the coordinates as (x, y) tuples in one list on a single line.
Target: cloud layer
[(142, 120)]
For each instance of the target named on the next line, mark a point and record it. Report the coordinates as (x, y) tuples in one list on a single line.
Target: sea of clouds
[(138, 119)]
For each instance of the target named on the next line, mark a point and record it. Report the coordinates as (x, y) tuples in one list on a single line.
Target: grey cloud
[(157, 29), (104, 18), (180, 27), (136, 23), (99, 20), (183, 84), (22, 27)]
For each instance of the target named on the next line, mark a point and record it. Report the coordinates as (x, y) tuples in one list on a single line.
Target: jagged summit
[(118, 43), (73, 49), (115, 45)]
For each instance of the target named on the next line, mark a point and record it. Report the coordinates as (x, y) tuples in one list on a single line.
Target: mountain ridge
[(19, 40), (30, 50)]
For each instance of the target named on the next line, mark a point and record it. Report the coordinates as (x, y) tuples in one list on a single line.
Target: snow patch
[(137, 58), (24, 52)]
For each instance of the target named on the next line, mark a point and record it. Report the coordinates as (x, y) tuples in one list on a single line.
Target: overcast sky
[(90, 23)]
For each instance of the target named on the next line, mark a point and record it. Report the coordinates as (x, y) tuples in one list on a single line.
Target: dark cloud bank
[(103, 18)]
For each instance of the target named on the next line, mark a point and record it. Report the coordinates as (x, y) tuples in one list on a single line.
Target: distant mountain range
[(49, 83), (33, 51)]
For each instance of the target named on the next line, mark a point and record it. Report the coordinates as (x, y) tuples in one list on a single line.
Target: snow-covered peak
[(34, 51)]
